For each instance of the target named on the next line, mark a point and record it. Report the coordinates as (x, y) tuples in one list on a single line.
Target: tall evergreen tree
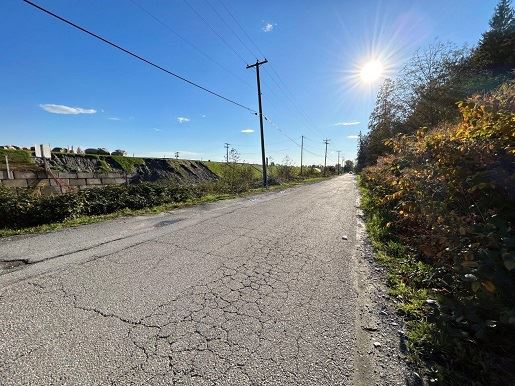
[(496, 50), (503, 17)]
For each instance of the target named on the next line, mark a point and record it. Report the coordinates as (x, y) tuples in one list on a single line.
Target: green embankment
[(18, 159)]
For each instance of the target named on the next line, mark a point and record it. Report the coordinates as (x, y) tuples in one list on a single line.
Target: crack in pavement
[(243, 302)]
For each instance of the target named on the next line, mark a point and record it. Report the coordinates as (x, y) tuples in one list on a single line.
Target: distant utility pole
[(263, 158), (326, 141), (227, 152), (176, 155), (301, 151), (339, 162)]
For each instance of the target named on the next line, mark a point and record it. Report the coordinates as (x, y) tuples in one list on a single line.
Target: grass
[(218, 168), (83, 220), (405, 280), (128, 164), (18, 159)]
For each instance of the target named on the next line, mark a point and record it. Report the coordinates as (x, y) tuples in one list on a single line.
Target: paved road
[(258, 290)]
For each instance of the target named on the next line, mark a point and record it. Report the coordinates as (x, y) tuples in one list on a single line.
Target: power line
[(274, 125), (215, 32), (137, 56), (192, 45), (285, 90), (291, 100), (242, 29), (230, 29)]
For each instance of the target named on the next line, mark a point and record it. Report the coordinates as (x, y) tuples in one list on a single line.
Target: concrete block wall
[(45, 184)]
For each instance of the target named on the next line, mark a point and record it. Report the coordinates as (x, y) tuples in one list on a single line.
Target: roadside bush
[(237, 178), (448, 195), (23, 209), (285, 171)]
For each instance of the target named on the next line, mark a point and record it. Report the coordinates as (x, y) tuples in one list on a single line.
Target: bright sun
[(371, 71)]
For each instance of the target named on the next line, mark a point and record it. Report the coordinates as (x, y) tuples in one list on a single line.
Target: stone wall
[(61, 182)]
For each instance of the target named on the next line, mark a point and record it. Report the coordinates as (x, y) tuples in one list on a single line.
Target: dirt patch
[(147, 169)]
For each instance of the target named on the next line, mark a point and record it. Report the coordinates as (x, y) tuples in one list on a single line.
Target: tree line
[(426, 91)]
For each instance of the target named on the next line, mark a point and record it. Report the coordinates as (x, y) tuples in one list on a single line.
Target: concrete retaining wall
[(46, 184)]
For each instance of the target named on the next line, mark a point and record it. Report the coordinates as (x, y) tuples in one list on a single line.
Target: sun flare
[(371, 71)]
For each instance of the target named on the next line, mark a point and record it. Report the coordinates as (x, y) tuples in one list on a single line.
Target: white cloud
[(350, 123), (156, 129), (268, 27), (353, 136), (62, 109), (247, 131), (182, 119), (114, 119)]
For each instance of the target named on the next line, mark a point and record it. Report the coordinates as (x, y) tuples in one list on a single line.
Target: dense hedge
[(448, 194), (24, 209)]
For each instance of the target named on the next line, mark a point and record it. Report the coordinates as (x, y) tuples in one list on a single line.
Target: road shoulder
[(380, 355)]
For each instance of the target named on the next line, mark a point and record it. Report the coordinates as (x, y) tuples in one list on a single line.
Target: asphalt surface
[(263, 290)]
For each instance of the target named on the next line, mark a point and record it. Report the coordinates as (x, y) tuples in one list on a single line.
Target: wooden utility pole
[(301, 151), (7, 167), (339, 162), (263, 157), (227, 152), (326, 141)]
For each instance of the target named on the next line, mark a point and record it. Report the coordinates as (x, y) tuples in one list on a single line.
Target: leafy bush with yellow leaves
[(449, 195)]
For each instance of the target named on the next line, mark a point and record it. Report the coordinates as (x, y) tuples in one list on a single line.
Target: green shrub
[(23, 209), (237, 178), (448, 195)]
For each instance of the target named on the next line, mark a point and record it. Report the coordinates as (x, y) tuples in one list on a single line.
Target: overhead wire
[(215, 32), (230, 28), (189, 43), (288, 95), (180, 77)]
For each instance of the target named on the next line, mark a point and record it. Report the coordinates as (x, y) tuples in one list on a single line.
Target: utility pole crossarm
[(258, 63)]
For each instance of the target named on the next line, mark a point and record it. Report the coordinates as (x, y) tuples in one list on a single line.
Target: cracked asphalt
[(262, 290)]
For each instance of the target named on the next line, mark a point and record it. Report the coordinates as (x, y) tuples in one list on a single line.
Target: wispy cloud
[(353, 136), (247, 131), (268, 27), (62, 109), (156, 129), (347, 123), (114, 119), (182, 119)]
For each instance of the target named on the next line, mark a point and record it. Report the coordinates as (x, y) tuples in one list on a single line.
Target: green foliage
[(348, 167), (22, 209), (285, 171), (104, 166), (503, 18), (447, 196), (237, 178), (128, 164), (16, 158)]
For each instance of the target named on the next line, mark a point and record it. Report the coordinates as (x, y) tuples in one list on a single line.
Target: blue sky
[(310, 85)]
